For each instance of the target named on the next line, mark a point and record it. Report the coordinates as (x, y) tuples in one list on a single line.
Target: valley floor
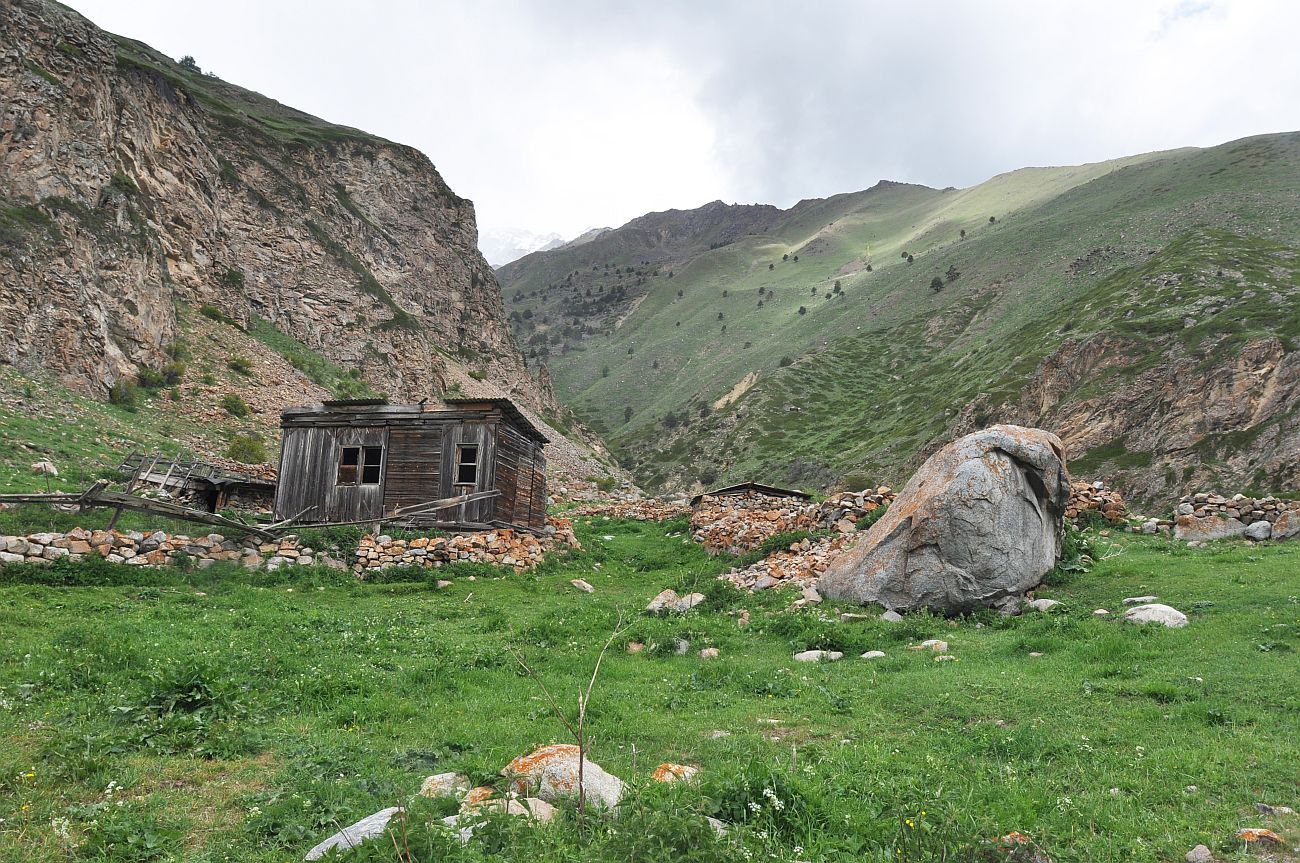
[(225, 715)]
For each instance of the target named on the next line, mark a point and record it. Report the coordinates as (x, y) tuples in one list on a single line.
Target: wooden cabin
[(364, 459)]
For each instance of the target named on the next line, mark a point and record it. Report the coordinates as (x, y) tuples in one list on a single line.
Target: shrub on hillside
[(246, 449), (240, 365), (123, 394), (234, 405), (149, 379)]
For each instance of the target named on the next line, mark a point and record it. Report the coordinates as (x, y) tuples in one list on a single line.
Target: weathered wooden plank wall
[(420, 451)]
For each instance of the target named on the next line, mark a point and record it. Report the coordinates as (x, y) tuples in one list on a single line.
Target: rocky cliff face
[(131, 185)]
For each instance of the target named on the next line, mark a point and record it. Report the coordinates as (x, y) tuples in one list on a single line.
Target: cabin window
[(372, 457), (467, 464), (348, 461), (360, 461)]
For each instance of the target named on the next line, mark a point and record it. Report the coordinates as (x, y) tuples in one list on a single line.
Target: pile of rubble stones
[(1090, 497), (1208, 516), (643, 509), (504, 547), (798, 566), (737, 523), (153, 549)]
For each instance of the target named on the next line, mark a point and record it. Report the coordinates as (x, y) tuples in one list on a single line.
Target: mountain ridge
[(644, 339)]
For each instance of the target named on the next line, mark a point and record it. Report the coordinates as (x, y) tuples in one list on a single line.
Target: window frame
[(366, 466), (462, 463), (355, 474), (354, 466)]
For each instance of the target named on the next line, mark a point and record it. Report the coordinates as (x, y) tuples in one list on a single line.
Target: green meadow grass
[(226, 715)]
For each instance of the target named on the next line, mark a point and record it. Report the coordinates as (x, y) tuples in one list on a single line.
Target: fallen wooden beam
[(99, 495)]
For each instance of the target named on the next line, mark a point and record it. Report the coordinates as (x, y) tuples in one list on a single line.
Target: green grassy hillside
[(853, 381)]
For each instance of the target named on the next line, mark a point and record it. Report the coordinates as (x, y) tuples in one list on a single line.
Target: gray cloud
[(561, 116)]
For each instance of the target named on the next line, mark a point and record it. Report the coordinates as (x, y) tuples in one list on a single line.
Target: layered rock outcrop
[(131, 184)]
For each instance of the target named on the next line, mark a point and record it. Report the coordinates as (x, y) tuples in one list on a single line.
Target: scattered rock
[(891, 616), (582, 585), (1156, 613), (1101, 612), (1259, 836), (1259, 530), (551, 773), (444, 785), (674, 773), (681, 647), (874, 654), (933, 644), (45, 468), (710, 653), (1265, 809), (849, 617), (818, 656), (1140, 600), (667, 600), (1042, 604), (635, 647), (1034, 654), (663, 601), (945, 658), (980, 521), (353, 835), (1199, 854)]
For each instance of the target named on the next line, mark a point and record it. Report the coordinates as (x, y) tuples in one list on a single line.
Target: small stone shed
[(745, 488), (363, 459)]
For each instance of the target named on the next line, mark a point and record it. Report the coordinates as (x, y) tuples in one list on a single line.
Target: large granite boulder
[(977, 526)]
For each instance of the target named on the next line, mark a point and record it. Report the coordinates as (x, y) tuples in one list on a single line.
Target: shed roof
[(741, 488), (507, 407), (380, 409)]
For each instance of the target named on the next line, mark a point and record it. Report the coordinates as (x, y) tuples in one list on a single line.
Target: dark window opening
[(466, 465), (360, 462), (372, 458), (348, 461)]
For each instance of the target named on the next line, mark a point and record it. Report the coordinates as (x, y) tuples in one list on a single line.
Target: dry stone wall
[(1207, 516), (154, 549), (742, 522), (500, 547), (1095, 497)]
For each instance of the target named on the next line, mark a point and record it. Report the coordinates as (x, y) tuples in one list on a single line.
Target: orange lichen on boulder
[(674, 773)]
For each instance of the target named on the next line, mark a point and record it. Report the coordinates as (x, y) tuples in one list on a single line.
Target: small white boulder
[(1156, 613)]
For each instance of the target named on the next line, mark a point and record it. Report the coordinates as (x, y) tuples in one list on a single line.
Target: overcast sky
[(561, 116)]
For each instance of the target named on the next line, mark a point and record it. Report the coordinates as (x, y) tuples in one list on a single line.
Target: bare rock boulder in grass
[(1156, 613), (666, 600), (1199, 854), (445, 785), (980, 522), (551, 773), (818, 656), (353, 835)]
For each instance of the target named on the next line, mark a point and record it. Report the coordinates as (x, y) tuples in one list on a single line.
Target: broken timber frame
[(99, 495)]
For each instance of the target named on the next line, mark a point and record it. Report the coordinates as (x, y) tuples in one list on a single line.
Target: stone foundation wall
[(152, 549), (500, 547), (1207, 516), (1088, 497)]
